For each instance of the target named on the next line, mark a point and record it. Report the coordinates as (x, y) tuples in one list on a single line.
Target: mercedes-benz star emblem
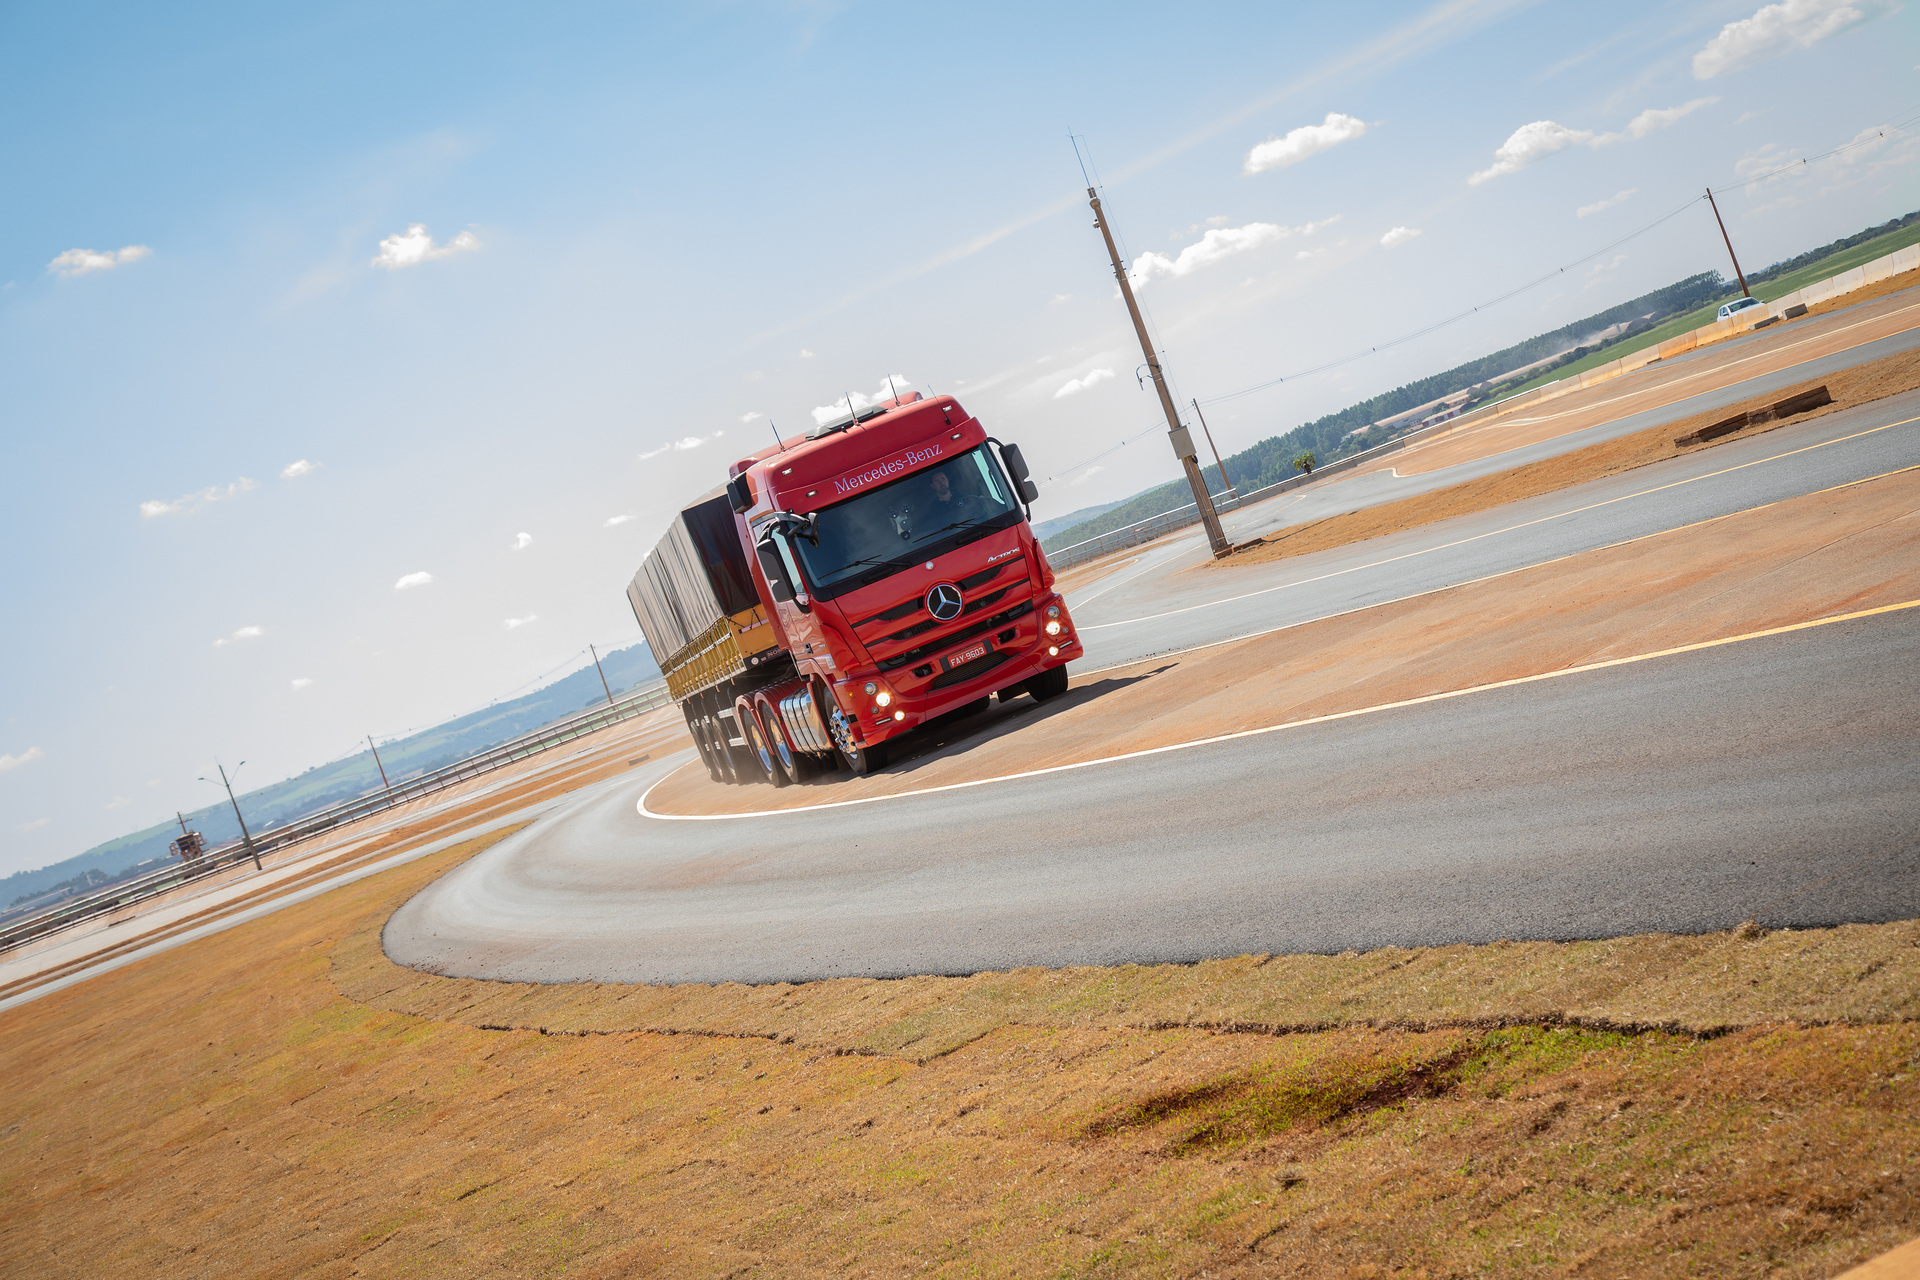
[(943, 602)]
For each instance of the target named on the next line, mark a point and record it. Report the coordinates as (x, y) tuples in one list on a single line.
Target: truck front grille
[(952, 638)]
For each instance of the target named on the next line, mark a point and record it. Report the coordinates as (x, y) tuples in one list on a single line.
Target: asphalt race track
[(1777, 777), (1152, 607)]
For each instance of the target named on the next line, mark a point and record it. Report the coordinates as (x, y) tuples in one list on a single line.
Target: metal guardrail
[(72, 911), (1180, 517)]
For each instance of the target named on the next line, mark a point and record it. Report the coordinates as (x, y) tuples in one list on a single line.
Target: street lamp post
[(246, 837)]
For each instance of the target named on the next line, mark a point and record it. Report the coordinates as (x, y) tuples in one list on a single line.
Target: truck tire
[(1048, 684), (770, 770), (861, 761)]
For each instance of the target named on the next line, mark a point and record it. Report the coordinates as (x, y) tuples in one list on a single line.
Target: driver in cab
[(949, 505)]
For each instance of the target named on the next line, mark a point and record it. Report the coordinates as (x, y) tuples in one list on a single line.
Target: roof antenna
[(776, 436), (893, 389), (1077, 156)]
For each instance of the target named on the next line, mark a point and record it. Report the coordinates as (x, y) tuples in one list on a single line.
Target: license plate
[(967, 655)]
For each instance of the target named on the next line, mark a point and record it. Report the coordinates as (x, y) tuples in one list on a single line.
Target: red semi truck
[(842, 590)]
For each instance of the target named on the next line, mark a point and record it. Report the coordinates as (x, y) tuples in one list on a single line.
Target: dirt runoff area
[(280, 1100), (1817, 556), (1874, 380)]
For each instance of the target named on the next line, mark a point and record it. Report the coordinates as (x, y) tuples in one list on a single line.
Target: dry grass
[(232, 1107), (1874, 380)]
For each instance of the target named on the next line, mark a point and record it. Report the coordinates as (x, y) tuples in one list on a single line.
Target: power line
[(1881, 133)]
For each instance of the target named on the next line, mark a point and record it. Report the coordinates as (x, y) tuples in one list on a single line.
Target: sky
[(352, 357)]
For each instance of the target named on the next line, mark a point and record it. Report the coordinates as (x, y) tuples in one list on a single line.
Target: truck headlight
[(872, 688), (1053, 626), (1053, 611), (882, 698)]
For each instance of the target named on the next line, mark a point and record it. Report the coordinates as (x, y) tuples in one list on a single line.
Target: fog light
[(1053, 651), (882, 698), (899, 715), (1053, 627)]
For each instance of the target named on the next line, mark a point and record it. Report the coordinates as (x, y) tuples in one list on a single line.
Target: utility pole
[(382, 768), (602, 671), (1724, 236), (1177, 435), (246, 836), (1219, 465)]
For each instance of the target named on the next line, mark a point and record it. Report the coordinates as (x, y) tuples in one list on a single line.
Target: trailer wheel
[(1048, 684), (702, 743)]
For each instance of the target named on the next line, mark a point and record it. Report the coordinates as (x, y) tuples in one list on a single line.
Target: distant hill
[(1573, 348), (1045, 529), (278, 803)]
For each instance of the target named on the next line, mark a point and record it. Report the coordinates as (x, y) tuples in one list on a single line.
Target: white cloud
[(616, 521), (1660, 117), (1093, 377), (1399, 236), (521, 541), (29, 826), (511, 623), (412, 580), (1529, 144), (1217, 220), (25, 757), (681, 445), (80, 262), (1087, 475), (805, 354), (416, 247), (300, 682), (1061, 297), (116, 803), (1307, 140), (189, 501), (898, 385), (294, 470), (1777, 29), (1312, 227), (1617, 198), (751, 417), (1217, 244), (1601, 272), (244, 633)]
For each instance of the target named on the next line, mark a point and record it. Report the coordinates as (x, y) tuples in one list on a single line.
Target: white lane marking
[(1474, 582), (1451, 437), (641, 805), (1166, 553), (1493, 533)]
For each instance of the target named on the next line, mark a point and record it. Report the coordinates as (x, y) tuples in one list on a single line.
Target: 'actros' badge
[(943, 602)]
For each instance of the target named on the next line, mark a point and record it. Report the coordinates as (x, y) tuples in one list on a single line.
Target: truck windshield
[(915, 518)]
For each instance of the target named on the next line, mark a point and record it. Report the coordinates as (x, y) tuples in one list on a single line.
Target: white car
[(1738, 305)]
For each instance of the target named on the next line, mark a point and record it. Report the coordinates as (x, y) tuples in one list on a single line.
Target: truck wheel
[(770, 770), (861, 761), (703, 743), (1048, 684)]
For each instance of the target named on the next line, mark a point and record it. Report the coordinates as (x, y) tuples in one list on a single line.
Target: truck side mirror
[(770, 564), (740, 494), (1017, 468)]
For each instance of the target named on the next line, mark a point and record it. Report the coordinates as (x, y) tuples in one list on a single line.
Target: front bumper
[(1013, 654)]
